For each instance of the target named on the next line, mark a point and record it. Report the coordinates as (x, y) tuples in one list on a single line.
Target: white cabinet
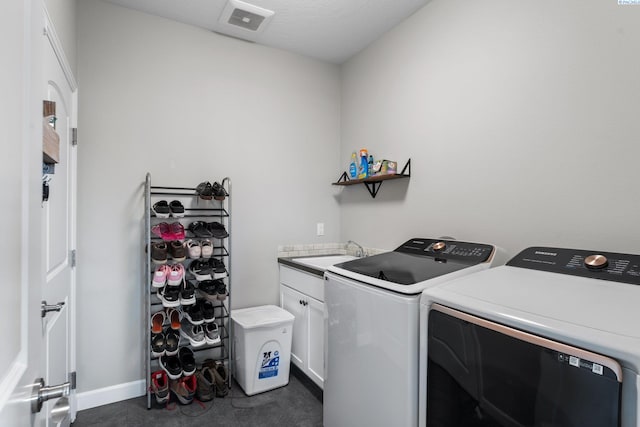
[(307, 347)]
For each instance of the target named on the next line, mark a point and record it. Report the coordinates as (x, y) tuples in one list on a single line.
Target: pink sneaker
[(175, 275), (162, 230), (176, 231), (160, 276)]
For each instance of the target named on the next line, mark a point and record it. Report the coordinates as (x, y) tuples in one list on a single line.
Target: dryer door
[(481, 373)]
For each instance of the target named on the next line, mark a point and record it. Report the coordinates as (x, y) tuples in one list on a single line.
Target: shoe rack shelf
[(195, 209)]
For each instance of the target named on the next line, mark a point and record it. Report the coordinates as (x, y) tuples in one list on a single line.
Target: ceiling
[(329, 30)]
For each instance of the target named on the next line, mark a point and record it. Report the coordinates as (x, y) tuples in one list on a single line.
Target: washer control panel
[(443, 250), (611, 266)]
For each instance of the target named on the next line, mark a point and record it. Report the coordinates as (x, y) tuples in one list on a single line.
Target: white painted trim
[(107, 395), (56, 45)]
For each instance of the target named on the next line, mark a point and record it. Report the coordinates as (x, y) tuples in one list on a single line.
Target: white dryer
[(550, 339), (372, 306)]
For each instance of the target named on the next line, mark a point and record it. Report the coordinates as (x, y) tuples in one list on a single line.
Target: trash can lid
[(261, 316)]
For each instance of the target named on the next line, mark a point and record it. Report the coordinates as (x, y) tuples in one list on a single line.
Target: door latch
[(46, 308)]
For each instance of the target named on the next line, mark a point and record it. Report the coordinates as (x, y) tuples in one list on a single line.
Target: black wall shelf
[(373, 183)]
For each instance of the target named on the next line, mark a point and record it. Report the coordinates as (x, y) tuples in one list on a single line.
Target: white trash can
[(262, 338)]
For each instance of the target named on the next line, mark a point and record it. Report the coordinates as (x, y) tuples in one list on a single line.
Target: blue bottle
[(353, 167)]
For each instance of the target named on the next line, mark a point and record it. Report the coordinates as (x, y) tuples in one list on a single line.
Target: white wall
[(189, 105), (520, 119)]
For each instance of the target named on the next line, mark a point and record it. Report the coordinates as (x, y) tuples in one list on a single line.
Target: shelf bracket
[(373, 188)]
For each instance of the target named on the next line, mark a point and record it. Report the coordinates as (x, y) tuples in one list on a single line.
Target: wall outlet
[(320, 229)]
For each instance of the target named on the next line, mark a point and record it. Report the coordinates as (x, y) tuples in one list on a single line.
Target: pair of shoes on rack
[(169, 231), (175, 296), (183, 363), (193, 333), (208, 229), (165, 343), (161, 250), (199, 248), (206, 191), (162, 209), (208, 269), (159, 317), (171, 275), (201, 334), (220, 374), (200, 312), (212, 290)]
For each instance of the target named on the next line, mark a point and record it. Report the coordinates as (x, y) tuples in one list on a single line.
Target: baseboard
[(116, 393)]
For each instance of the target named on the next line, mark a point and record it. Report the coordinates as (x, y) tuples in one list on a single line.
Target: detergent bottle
[(353, 166), (363, 168)]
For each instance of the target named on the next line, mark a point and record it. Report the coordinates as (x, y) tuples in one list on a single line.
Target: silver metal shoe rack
[(196, 209)]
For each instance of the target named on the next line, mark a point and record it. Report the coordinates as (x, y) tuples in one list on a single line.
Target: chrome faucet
[(360, 252)]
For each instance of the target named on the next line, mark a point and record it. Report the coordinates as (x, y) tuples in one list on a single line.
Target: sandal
[(200, 229)]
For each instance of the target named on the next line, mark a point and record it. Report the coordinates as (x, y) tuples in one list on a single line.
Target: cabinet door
[(315, 359), (291, 300)]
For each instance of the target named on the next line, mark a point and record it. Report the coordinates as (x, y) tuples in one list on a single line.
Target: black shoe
[(218, 270), (187, 294), (200, 229), (157, 344), (205, 190), (194, 314), (207, 290), (221, 290), (217, 230), (170, 296), (208, 311), (187, 361), (201, 269), (177, 209), (218, 192), (161, 209), (171, 365), (171, 341)]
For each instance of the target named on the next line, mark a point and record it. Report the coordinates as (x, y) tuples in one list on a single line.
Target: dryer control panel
[(616, 267)]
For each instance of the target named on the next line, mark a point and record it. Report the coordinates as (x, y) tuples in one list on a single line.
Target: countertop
[(291, 262)]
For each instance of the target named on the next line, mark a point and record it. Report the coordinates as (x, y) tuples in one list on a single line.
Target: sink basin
[(323, 262)]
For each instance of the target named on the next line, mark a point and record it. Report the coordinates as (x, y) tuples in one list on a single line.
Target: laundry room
[(516, 121)]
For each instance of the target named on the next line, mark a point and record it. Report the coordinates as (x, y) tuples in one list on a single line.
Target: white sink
[(323, 262)]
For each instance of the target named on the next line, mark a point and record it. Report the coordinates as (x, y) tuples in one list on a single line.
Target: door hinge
[(74, 136), (73, 258), (72, 380)]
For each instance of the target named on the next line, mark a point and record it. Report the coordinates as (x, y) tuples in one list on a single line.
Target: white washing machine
[(550, 339), (372, 308)]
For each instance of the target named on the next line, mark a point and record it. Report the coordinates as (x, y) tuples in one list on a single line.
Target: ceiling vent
[(245, 16)]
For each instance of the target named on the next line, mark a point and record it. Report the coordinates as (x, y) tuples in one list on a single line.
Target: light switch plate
[(320, 229)]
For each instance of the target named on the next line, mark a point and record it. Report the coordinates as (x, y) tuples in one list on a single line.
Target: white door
[(315, 351), (58, 224), (20, 174)]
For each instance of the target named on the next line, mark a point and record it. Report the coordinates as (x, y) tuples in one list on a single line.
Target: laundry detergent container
[(262, 338)]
